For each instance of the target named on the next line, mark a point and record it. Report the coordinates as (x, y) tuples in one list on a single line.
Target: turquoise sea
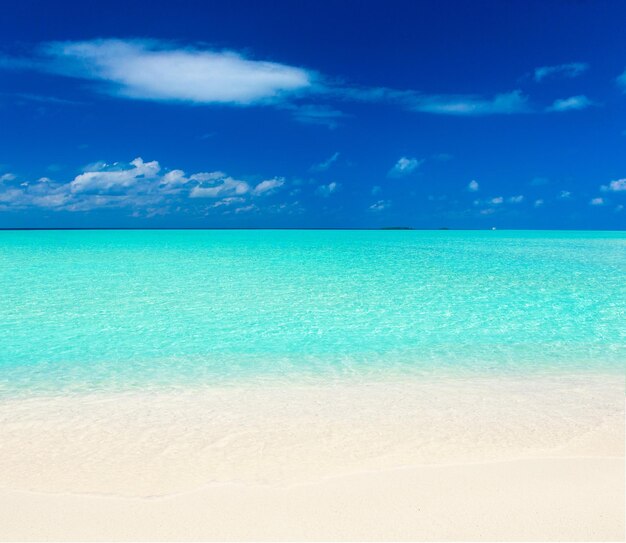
[(88, 310)]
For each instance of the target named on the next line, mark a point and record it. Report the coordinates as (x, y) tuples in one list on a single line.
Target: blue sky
[(313, 114)]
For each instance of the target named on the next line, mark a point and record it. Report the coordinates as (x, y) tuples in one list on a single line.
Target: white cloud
[(7, 177), (154, 70), (596, 202), (570, 70), (95, 166), (618, 185), (323, 166), (268, 186), (380, 205), (499, 200), (208, 176), (246, 209), (122, 178), (469, 105), (573, 103), (327, 190), (138, 184), (167, 71), (621, 80), (11, 196), (218, 188), (404, 166), (174, 178), (229, 200), (539, 202), (473, 185), (51, 200), (565, 194)]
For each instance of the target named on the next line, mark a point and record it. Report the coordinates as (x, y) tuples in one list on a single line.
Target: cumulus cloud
[(175, 178), (155, 70), (569, 70), (473, 185), (137, 184), (565, 195), (51, 200), (218, 188), (573, 103), (539, 202), (619, 185), (516, 199), (497, 200), (116, 185), (116, 178), (596, 202), (11, 195), (208, 177), (327, 190), (404, 166)]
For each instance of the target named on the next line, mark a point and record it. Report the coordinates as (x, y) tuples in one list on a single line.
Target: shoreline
[(162, 442), (513, 457)]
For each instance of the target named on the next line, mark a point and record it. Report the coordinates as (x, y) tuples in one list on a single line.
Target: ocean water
[(148, 363), (128, 310)]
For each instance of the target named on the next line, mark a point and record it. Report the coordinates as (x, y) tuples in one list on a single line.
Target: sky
[(343, 114)]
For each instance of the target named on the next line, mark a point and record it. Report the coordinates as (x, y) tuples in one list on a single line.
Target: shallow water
[(155, 442), (92, 310)]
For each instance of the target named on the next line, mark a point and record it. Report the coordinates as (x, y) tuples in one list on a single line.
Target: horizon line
[(384, 228)]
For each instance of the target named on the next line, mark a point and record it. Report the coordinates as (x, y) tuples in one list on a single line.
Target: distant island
[(397, 228), (409, 228)]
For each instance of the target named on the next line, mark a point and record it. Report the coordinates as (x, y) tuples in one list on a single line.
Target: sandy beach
[(486, 458), (557, 499)]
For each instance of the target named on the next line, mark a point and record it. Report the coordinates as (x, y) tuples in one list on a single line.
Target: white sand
[(557, 499), (511, 458)]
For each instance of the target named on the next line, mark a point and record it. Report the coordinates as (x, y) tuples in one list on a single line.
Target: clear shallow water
[(133, 309)]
